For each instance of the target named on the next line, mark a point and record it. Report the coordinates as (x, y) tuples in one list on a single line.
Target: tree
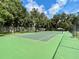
[(39, 19), (13, 13)]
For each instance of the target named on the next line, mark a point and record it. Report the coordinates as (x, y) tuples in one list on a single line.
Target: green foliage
[(14, 16)]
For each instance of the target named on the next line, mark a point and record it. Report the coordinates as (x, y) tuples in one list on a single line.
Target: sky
[(52, 7)]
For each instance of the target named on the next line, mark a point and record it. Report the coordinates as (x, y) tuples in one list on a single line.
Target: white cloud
[(71, 12), (30, 0), (41, 8), (53, 10), (75, 11), (32, 4), (56, 7), (62, 2), (66, 11)]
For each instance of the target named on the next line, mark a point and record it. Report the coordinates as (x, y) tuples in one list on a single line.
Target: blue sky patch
[(52, 7)]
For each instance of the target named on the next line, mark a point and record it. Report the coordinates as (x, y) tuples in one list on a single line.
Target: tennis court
[(42, 36), (20, 46), (39, 45), (69, 48)]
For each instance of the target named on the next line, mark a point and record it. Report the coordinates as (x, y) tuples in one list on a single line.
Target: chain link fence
[(75, 31)]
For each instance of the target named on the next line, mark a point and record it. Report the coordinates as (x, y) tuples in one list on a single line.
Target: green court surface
[(69, 48), (40, 45), (42, 36)]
